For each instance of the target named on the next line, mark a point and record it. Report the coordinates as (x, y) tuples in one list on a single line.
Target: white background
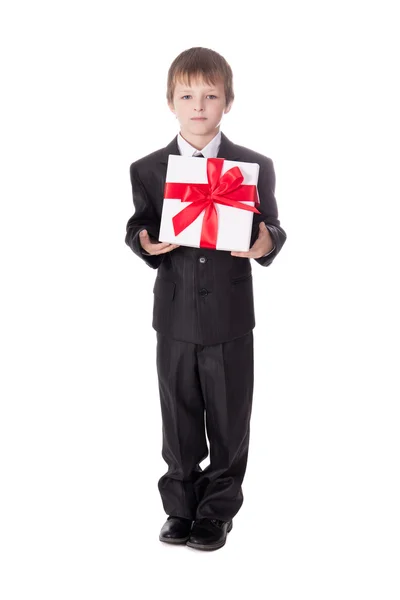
[(83, 96)]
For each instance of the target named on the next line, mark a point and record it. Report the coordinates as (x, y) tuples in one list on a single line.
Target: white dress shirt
[(209, 151)]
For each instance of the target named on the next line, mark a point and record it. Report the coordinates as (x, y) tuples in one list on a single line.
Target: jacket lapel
[(226, 150)]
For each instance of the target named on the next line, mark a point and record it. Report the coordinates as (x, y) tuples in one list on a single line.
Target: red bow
[(225, 189)]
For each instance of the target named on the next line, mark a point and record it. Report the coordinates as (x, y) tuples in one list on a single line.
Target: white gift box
[(234, 224)]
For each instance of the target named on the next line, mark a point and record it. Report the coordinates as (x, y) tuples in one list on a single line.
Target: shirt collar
[(209, 151)]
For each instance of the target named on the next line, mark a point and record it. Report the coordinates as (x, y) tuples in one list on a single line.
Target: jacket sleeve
[(269, 212), (144, 217)]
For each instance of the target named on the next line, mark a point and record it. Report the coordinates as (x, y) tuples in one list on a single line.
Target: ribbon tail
[(209, 228), (235, 204), (189, 214)]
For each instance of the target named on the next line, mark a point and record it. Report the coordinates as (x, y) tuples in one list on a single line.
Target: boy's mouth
[(198, 118)]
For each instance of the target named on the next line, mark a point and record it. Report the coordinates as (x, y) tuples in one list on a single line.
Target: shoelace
[(217, 522)]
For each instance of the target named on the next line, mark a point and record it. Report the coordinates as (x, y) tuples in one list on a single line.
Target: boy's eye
[(188, 95)]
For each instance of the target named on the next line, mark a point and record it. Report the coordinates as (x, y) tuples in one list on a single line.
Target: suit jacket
[(201, 295)]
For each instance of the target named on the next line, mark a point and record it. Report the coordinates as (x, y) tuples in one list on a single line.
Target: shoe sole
[(173, 540), (209, 546)]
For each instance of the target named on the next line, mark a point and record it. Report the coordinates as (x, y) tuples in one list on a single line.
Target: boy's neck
[(199, 141)]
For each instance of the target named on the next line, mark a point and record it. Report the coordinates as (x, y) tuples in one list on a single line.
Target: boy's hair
[(202, 62)]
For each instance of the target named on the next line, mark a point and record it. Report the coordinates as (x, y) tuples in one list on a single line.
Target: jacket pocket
[(241, 278), (164, 288)]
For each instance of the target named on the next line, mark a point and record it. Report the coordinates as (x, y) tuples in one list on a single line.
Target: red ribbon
[(225, 189)]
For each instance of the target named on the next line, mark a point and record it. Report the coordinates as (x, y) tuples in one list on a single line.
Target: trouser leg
[(226, 374), (184, 444)]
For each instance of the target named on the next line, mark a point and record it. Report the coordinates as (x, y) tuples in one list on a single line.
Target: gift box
[(209, 203)]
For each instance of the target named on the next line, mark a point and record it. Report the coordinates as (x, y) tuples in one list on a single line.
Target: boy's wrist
[(270, 252)]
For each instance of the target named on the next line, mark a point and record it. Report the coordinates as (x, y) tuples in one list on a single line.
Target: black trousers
[(204, 389)]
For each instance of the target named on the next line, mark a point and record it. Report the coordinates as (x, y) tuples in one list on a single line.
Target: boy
[(203, 314)]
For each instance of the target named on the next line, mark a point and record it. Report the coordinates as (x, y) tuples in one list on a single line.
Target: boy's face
[(199, 100)]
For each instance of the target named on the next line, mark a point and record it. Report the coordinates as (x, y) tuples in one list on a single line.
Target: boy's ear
[(171, 107), (228, 108)]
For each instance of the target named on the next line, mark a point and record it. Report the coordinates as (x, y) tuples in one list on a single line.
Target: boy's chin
[(199, 128)]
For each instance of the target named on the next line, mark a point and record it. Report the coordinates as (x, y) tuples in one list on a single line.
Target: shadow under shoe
[(209, 534), (176, 530)]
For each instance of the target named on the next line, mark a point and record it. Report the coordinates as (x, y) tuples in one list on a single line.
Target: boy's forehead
[(196, 82)]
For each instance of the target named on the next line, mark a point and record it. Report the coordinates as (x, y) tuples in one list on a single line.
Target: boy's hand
[(155, 248), (263, 244)]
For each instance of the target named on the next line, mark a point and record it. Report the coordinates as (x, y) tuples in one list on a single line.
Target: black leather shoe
[(209, 534), (176, 530)]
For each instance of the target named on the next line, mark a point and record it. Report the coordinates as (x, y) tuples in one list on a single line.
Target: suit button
[(203, 292), (202, 259)]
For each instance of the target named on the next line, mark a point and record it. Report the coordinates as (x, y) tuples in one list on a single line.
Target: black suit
[(204, 316)]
